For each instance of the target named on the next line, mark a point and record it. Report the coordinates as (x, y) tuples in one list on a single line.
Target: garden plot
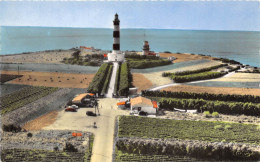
[(44, 146), (52, 79), (185, 129), (214, 90)]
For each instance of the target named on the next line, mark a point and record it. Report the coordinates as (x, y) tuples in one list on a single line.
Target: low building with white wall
[(143, 105)]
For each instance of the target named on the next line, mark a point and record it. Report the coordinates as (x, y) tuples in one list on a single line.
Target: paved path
[(104, 133), (112, 81)]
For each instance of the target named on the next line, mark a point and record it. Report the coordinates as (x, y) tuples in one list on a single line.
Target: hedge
[(142, 64), (117, 80), (197, 76), (106, 84), (197, 149), (205, 96), (135, 56), (124, 81), (230, 108), (98, 81), (199, 70)]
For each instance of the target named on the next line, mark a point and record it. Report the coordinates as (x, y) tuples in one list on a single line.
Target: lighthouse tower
[(116, 54), (146, 48)]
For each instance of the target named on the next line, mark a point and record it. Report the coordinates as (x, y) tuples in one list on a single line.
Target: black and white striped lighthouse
[(116, 55), (116, 34)]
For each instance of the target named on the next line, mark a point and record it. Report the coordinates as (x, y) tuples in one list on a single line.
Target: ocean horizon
[(242, 46)]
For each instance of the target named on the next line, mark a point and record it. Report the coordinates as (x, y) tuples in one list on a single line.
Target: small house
[(83, 99), (143, 106)]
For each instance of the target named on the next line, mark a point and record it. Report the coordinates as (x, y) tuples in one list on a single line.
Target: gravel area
[(41, 106), (45, 140), (200, 116)]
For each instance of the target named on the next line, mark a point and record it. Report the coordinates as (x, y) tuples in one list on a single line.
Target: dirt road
[(103, 142)]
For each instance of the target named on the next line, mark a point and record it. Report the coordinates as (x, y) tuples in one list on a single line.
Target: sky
[(214, 15)]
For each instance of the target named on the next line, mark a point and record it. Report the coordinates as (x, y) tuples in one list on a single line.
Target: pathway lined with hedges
[(112, 81)]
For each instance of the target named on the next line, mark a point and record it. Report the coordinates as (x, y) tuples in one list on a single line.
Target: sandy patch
[(141, 82), (43, 121), (185, 57), (52, 79), (38, 57), (241, 77), (215, 90), (157, 79)]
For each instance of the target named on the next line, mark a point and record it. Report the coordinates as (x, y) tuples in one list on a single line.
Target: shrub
[(215, 114), (199, 70), (141, 57), (69, 148), (11, 128), (106, 84), (219, 127), (197, 76), (228, 127), (147, 63), (205, 96), (117, 80), (202, 150), (56, 148), (207, 114), (98, 81), (29, 135), (225, 60), (124, 82), (232, 108)]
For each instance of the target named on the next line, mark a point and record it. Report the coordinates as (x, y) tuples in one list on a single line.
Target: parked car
[(90, 113), (70, 109), (74, 106)]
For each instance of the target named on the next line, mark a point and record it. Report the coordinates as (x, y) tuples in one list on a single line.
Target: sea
[(242, 46)]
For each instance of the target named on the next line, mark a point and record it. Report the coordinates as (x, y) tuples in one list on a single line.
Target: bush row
[(135, 56), (205, 96), (97, 83), (124, 80), (194, 77), (12, 128), (117, 80), (234, 68), (197, 149), (232, 108), (142, 64), (196, 71), (106, 84), (225, 60)]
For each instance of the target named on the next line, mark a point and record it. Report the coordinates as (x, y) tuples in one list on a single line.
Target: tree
[(76, 54)]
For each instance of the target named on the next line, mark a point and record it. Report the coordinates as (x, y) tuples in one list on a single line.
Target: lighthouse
[(116, 54)]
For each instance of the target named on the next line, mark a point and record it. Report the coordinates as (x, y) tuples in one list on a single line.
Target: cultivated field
[(23, 97), (215, 90), (44, 146), (186, 129), (52, 79), (41, 122)]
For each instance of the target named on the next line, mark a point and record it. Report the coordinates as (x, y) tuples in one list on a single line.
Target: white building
[(143, 106)]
